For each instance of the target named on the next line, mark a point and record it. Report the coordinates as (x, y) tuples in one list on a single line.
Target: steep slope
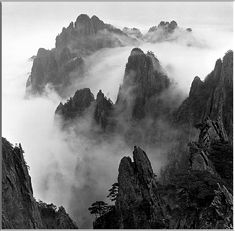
[(19, 208), (103, 110), (54, 218), (76, 105), (212, 97), (143, 83), (55, 69), (193, 198), (84, 102), (62, 65)]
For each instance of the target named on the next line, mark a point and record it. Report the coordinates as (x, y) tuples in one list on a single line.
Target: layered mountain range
[(194, 190), (61, 66), (146, 95), (20, 210)]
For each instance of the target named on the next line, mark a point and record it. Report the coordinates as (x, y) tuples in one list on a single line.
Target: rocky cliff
[(19, 208), (103, 110), (83, 102), (212, 98), (144, 81), (54, 69), (197, 197), (76, 105)]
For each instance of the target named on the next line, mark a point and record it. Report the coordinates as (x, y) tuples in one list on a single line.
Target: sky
[(47, 19), (28, 26)]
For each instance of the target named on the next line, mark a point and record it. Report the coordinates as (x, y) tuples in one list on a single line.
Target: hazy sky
[(51, 17)]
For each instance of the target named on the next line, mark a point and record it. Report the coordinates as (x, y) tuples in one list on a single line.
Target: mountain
[(83, 102), (196, 197), (146, 96), (133, 32), (166, 31), (76, 105), (211, 98), (194, 190), (144, 81), (20, 210), (64, 64)]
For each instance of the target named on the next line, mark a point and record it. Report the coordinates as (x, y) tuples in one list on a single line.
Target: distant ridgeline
[(60, 67), (20, 210)]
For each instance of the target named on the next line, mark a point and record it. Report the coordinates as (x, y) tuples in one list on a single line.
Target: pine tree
[(113, 192)]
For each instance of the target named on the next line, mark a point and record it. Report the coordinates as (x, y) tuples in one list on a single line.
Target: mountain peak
[(144, 78), (196, 84), (76, 105), (136, 51)]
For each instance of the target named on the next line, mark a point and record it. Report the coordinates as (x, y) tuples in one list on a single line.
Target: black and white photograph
[(117, 115)]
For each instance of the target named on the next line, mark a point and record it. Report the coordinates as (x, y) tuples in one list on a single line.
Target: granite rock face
[(211, 98), (54, 69), (76, 105), (83, 102), (54, 218), (138, 204), (143, 83), (19, 208), (193, 198), (103, 110)]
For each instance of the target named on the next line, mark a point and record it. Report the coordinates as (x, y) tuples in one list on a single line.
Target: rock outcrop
[(54, 69), (143, 83), (103, 110), (212, 98), (138, 204), (53, 218), (83, 102), (191, 199), (76, 105), (19, 208)]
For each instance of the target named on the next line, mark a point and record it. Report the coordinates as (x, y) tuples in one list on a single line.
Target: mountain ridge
[(59, 67)]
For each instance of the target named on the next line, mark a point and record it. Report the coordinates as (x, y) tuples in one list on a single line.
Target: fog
[(75, 170)]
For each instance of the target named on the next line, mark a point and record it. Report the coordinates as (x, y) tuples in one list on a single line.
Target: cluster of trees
[(99, 208), (47, 210)]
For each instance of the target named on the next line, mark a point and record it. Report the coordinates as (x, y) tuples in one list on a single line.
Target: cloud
[(74, 168)]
